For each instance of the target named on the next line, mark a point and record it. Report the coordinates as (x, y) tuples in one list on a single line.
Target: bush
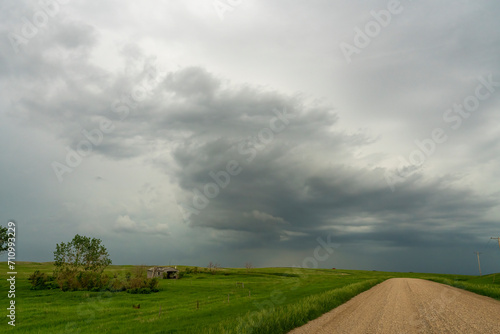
[(51, 284), (153, 283), (143, 291), (66, 286), (66, 279), (140, 272), (88, 280), (116, 285), (40, 281), (136, 283)]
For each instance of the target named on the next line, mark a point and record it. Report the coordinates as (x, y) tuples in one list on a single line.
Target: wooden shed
[(163, 272)]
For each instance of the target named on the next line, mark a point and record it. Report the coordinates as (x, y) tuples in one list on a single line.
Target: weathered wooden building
[(163, 272)]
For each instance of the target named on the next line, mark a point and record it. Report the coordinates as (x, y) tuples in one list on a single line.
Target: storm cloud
[(176, 134)]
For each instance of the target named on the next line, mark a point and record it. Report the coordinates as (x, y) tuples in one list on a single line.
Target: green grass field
[(270, 300)]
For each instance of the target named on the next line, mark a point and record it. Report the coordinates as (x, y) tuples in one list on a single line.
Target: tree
[(213, 267), (80, 263), (82, 253), (3, 239), (249, 266)]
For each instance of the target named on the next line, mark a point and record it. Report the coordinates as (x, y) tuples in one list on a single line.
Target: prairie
[(259, 300)]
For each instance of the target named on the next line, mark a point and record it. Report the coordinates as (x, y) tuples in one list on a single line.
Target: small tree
[(249, 266), (140, 271), (213, 267), (80, 263), (3, 239), (41, 281)]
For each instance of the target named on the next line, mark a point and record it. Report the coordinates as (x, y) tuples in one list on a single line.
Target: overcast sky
[(349, 134)]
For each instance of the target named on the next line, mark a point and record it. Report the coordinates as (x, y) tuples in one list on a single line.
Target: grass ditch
[(282, 319), (481, 286)]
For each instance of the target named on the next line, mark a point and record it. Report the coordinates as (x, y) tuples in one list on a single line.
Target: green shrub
[(134, 285), (39, 281), (51, 284), (66, 279), (88, 280), (116, 285), (153, 283), (143, 291)]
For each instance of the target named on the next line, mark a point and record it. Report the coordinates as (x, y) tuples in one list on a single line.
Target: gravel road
[(408, 306)]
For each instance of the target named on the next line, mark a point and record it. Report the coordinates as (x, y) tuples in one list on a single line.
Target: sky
[(319, 134)]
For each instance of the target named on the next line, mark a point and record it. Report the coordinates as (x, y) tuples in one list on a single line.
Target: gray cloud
[(126, 224), (308, 137)]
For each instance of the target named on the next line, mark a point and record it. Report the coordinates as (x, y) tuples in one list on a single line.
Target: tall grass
[(285, 318), (489, 290)]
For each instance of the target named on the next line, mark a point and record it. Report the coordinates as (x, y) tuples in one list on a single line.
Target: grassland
[(264, 300)]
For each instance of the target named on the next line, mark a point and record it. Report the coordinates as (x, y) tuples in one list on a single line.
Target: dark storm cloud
[(294, 161), (281, 178), (297, 171)]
